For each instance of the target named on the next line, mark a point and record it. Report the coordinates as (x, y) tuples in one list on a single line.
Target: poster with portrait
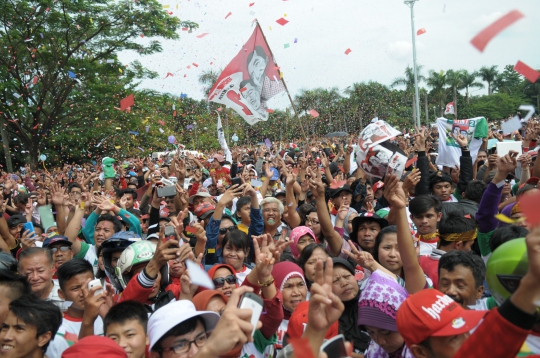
[(381, 159), (249, 80), (375, 133), (475, 129)]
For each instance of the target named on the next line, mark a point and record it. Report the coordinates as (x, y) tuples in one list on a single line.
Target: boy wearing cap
[(434, 325)]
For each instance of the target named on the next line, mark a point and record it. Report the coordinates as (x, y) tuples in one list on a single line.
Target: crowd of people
[(439, 262)]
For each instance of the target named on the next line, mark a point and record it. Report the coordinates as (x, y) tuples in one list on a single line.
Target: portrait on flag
[(381, 159), (449, 150), (249, 80)]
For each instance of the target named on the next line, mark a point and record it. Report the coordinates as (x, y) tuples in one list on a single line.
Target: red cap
[(430, 313), (204, 209), (219, 158), (299, 320), (378, 185)]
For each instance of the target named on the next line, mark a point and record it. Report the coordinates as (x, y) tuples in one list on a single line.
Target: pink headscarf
[(296, 234)]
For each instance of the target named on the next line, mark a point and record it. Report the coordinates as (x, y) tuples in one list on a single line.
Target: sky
[(378, 33)]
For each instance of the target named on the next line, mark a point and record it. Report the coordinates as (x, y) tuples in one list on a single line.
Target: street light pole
[(410, 4)]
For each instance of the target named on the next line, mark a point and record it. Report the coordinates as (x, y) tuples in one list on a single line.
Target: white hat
[(171, 315), (201, 194)]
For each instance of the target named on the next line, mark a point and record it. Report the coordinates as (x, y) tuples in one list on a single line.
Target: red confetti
[(269, 110), (411, 162), (282, 21), (252, 4), (529, 73), (229, 14), (347, 51), (141, 35), (420, 32), (314, 113), (35, 80), (161, 122), (194, 64), (185, 28), (202, 35), (127, 102), (174, 114), (529, 204), (169, 74), (481, 40)]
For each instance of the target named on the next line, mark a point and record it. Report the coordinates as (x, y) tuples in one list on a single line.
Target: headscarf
[(211, 273), (202, 299), (348, 320), (295, 235), (282, 272), (378, 304)]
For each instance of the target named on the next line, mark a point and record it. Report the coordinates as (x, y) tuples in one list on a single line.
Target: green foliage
[(494, 107), (62, 66)]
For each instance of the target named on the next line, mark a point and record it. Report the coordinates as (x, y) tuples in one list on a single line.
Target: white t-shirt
[(88, 253), (68, 334), (241, 275)]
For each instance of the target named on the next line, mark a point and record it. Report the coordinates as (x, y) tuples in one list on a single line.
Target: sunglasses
[(220, 281), (61, 248), (225, 229)]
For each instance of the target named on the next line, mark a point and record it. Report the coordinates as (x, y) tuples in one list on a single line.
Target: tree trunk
[(489, 88), (467, 95)]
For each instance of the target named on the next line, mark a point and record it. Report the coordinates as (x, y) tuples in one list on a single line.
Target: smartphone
[(253, 302), (335, 347), (94, 283), (30, 227), (236, 181), (166, 192), (170, 233)]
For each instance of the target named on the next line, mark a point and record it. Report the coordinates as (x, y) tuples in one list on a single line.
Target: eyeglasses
[(61, 248), (220, 281), (224, 230), (184, 346), (312, 221)]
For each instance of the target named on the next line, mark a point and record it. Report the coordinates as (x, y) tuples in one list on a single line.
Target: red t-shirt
[(430, 267), (223, 175)]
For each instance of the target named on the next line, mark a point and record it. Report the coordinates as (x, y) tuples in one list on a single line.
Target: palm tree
[(208, 78), (437, 81), (469, 81), (408, 82), (488, 74), (455, 81)]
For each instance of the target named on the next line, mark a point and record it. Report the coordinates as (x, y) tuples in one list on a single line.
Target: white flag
[(222, 141), (449, 108)]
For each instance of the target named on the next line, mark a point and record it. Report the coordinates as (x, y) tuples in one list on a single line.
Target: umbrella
[(336, 134)]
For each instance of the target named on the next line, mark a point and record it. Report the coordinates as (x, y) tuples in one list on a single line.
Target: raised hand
[(411, 180), (461, 140), (393, 192), (508, 163), (325, 308), (362, 258)]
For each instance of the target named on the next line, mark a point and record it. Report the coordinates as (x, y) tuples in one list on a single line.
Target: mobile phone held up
[(166, 191), (30, 227), (335, 347), (253, 302), (95, 283)]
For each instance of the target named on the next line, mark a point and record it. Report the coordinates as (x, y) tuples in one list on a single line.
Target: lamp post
[(410, 4), (434, 113)]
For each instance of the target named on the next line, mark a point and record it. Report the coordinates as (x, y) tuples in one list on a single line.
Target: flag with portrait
[(249, 80)]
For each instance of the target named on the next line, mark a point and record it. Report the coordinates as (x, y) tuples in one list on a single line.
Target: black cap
[(439, 177), (366, 217), (335, 192), (15, 220)]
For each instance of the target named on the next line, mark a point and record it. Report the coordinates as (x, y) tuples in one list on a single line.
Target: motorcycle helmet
[(505, 268), (136, 254), (116, 243)]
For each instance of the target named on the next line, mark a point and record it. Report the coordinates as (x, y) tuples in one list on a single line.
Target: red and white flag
[(449, 108), (249, 81)]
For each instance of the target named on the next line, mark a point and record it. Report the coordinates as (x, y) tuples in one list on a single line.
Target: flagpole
[(282, 80)]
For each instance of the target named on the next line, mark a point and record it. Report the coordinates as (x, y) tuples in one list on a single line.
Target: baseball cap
[(367, 216), (378, 185), (218, 157), (203, 210), (15, 220), (202, 194), (430, 313), (335, 192), (171, 315), (299, 320), (56, 238)]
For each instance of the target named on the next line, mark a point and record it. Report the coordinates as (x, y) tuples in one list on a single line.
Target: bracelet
[(266, 284), (465, 148)]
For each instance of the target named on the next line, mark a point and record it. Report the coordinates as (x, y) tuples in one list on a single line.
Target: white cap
[(171, 315)]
